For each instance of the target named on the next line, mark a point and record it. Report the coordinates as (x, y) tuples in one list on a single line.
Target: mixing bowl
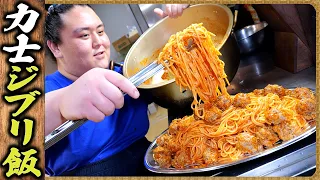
[(218, 19)]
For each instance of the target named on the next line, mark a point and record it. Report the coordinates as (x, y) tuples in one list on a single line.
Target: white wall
[(50, 64), (116, 18)]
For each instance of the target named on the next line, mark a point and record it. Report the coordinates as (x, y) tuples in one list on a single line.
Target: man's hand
[(171, 10), (94, 95)]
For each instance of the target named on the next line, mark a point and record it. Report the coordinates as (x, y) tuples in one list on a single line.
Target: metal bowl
[(218, 19), (250, 37)]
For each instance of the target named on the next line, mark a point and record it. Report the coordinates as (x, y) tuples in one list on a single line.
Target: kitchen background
[(126, 22), (286, 57)]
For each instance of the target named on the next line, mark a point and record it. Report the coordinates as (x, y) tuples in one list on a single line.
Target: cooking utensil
[(218, 19), (250, 37), (69, 126), (236, 11)]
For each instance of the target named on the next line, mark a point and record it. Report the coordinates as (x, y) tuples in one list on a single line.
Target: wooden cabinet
[(295, 37)]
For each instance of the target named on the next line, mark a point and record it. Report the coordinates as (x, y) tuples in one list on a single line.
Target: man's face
[(85, 45)]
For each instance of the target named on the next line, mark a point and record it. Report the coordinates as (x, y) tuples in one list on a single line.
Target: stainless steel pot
[(218, 19), (250, 37)]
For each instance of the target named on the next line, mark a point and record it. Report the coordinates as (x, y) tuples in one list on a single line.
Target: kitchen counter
[(257, 70)]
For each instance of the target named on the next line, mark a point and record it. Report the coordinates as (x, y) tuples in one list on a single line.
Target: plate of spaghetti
[(224, 129)]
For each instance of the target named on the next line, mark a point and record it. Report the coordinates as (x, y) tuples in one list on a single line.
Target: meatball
[(212, 114), (223, 102), (210, 156), (161, 141), (181, 159), (248, 143), (206, 105), (289, 92), (162, 156), (258, 92), (287, 130), (180, 124), (267, 136), (307, 108), (167, 141), (275, 116), (241, 100), (303, 93), (275, 89), (174, 126)]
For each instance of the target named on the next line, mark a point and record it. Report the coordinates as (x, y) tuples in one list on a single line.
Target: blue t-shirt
[(93, 141)]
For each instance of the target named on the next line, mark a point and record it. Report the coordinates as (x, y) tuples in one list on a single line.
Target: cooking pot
[(250, 37), (217, 19)]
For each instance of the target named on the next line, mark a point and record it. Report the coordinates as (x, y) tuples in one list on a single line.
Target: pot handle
[(236, 9), (253, 13)]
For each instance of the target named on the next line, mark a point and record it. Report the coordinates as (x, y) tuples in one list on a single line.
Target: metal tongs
[(66, 128)]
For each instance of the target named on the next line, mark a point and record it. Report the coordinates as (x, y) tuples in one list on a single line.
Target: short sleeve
[(118, 69), (50, 86)]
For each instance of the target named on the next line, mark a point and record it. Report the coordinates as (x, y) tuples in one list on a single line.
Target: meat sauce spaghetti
[(198, 69), (225, 128)]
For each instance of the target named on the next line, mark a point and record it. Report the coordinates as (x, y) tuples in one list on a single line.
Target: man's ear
[(54, 49)]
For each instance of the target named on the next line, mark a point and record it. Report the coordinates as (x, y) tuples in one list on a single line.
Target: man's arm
[(53, 117), (94, 95)]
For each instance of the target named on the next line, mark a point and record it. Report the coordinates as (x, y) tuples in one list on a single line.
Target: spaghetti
[(224, 128), (198, 69), (240, 131)]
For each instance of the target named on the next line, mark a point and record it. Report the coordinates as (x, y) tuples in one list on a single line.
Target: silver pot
[(250, 37), (218, 19)]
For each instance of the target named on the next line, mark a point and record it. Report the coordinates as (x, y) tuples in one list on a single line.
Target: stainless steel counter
[(257, 70)]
